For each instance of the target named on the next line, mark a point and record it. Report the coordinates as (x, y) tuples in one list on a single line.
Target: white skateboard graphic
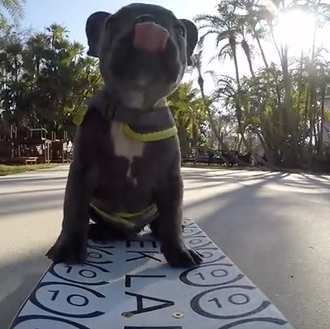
[(129, 285)]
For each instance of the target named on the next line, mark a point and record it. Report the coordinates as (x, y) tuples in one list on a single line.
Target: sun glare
[(295, 29)]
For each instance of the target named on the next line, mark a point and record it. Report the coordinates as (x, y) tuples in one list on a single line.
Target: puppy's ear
[(94, 29), (192, 38)]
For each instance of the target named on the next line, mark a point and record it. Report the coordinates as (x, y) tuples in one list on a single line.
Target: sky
[(295, 27), (74, 13)]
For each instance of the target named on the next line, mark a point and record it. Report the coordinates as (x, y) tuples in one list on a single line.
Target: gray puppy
[(126, 169)]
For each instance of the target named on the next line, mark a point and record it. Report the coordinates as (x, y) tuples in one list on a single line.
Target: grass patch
[(16, 169)]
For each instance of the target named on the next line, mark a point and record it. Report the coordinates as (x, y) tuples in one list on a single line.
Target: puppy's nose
[(150, 37)]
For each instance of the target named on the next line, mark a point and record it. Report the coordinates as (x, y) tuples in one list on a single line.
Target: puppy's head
[(143, 51)]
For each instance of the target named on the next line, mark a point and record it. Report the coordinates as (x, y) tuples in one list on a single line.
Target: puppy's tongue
[(150, 37)]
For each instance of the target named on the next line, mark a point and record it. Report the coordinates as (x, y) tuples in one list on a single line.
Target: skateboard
[(129, 285)]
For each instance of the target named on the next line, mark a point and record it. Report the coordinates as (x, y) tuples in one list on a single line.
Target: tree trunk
[(260, 48), (321, 141), (208, 111), (183, 139)]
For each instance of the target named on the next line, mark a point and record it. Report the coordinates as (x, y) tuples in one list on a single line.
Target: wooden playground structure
[(32, 146)]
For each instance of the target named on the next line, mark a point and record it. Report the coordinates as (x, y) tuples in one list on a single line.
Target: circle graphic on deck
[(196, 239), (67, 299), (87, 274), (228, 302), (103, 245), (126, 275), (45, 321), (191, 230), (211, 275), (257, 322), (98, 256)]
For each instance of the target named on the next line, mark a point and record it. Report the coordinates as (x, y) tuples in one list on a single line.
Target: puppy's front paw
[(68, 250), (181, 256)]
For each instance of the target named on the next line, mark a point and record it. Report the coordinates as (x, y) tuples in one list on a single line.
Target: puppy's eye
[(144, 19), (180, 29)]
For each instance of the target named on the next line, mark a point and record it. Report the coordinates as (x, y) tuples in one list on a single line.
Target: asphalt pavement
[(274, 226)]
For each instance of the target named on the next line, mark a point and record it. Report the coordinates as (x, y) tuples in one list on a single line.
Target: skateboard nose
[(150, 36)]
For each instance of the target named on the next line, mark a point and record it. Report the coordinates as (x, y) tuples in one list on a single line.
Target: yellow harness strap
[(126, 218)]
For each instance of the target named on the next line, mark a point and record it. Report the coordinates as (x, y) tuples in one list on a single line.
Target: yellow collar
[(146, 137), (151, 137)]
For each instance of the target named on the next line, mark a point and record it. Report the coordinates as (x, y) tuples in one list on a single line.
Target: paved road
[(274, 226)]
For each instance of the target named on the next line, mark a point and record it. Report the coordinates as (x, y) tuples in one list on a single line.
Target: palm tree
[(226, 28), (197, 66), (254, 15), (15, 9), (189, 113), (43, 83)]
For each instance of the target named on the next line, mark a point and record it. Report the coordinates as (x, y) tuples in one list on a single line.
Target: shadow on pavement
[(6, 194), (31, 268), (30, 202), (279, 239), (285, 179), (30, 180)]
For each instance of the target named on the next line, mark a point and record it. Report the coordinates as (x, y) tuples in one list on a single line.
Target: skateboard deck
[(128, 285)]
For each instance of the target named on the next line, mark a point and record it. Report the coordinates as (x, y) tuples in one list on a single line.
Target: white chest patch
[(125, 146)]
